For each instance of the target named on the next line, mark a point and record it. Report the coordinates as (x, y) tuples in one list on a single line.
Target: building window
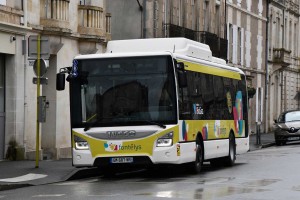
[(217, 20), (295, 40), (230, 42), (290, 36), (108, 23), (286, 45), (277, 44), (239, 45), (206, 16)]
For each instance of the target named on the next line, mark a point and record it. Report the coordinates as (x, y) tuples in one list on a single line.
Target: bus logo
[(112, 146), (121, 134)]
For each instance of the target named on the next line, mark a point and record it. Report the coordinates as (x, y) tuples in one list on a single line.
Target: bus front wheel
[(197, 165)]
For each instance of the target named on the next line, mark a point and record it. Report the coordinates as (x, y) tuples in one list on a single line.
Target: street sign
[(43, 80), (31, 63), (44, 45), (43, 67)]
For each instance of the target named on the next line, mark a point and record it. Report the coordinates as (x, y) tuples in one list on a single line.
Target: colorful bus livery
[(156, 101)]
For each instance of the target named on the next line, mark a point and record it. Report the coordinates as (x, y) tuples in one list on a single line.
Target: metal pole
[(37, 148), (258, 142), (267, 122)]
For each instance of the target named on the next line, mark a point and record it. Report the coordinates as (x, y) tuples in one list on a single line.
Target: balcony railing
[(211, 40), (179, 31), (93, 22), (282, 57), (282, 2), (217, 45), (55, 13), (108, 26), (11, 15)]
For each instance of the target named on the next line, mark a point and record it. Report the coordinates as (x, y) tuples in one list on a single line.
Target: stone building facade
[(72, 27), (236, 25), (198, 20), (246, 34), (283, 58)]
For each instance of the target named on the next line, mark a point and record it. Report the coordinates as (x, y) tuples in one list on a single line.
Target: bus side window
[(184, 100), (208, 95), (197, 98), (229, 98), (219, 97)]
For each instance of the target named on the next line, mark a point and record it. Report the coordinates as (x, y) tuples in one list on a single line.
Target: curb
[(268, 145), (12, 186), (84, 173)]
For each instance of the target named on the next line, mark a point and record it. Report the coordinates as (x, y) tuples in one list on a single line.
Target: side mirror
[(180, 65), (60, 81), (182, 79)]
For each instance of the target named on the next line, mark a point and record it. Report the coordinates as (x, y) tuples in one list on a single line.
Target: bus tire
[(109, 173), (217, 162), (230, 159), (197, 165)]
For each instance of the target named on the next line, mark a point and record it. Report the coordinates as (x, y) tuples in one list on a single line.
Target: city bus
[(147, 102)]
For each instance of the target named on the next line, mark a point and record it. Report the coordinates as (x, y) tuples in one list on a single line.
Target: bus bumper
[(160, 155), (82, 158)]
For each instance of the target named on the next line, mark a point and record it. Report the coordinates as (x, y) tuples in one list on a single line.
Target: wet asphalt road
[(271, 173)]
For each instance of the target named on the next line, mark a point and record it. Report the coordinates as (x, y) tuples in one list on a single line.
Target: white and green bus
[(156, 101)]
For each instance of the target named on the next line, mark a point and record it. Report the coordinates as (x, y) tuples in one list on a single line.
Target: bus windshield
[(123, 91)]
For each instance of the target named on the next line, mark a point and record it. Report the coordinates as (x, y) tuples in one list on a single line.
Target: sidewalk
[(15, 174), (266, 140)]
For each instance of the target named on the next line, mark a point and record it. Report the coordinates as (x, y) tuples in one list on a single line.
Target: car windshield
[(124, 91), (290, 116)]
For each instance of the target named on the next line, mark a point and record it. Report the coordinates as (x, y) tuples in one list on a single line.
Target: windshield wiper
[(154, 123), (89, 125)]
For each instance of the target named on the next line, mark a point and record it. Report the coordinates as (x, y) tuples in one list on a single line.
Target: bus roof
[(179, 47)]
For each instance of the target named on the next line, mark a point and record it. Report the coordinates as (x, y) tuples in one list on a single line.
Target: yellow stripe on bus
[(211, 70)]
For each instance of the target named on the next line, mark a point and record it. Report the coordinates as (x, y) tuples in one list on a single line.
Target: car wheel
[(277, 142)]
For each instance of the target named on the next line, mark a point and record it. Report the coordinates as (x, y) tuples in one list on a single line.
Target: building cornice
[(14, 29), (251, 70), (246, 12)]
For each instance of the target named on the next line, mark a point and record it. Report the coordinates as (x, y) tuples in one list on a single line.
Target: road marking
[(76, 182), (49, 195), (27, 177), (103, 195)]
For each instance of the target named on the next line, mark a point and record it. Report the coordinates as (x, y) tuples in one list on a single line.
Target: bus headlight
[(80, 144), (165, 141)]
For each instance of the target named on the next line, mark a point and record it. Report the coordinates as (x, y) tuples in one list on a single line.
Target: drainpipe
[(24, 2), (267, 69), (141, 10), (165, 16), (144, 18), (225, 25), (225, 29)]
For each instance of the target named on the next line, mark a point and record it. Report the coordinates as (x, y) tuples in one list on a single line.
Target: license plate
[(293, 138), (122, 160)]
